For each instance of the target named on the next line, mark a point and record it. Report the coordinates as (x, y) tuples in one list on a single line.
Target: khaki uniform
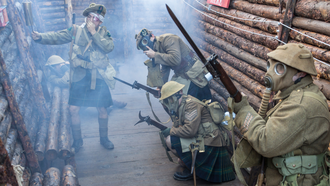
[(194, 119), (173, 53), (101, 45), (59, 81), (297, 122)]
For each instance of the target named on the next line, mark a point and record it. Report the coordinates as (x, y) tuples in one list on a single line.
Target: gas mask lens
[(280, 68), (144, 42)]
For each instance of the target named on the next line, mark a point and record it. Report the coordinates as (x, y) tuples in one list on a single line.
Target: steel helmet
[(54, 60), (170, 88), (296, 56)]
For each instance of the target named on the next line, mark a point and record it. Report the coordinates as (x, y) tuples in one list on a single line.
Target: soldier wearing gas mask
[(58, 71), (295, 134), (193, 124), (168, 52)]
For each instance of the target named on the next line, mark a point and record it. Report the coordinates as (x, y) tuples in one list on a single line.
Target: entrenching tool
[(150, 122)]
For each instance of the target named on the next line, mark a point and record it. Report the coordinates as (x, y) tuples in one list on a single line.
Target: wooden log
[(51, 3), (54, 15), (26, 177), (3, 107), (267, 25), (17, 156), (60, 21), (233, 50), (7, 174), (253, 100), (11, 142), (324, 86), (52, 141), (68, 12), (248, 70), (318, 53), (266, 41), (72, 161), (219, 89), (33, 127), (36, 179), (54, 28), (247, 45), (313, 9), (299, 37), (5, 126), (221, 100), (253, 86), (323, 70), (256, 9), (287, 20), (312, 25), (27, 60), (69, 176), (64, 142), (4, 34), (52, 9), (52, 177), (267, 2)]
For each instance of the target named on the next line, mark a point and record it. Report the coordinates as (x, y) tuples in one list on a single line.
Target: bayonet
[(138, 86)]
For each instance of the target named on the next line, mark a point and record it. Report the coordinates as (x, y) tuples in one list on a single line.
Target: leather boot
[(103, 129), (118, 104), (183, 176), (77, 138)]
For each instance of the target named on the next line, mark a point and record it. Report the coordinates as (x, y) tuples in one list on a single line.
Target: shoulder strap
[(317, 97), (79, 30)]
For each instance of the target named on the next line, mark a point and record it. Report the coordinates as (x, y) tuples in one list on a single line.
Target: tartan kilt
[(82, 95), (213, 165)]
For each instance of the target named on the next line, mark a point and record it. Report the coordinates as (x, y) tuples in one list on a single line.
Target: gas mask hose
[(264, 103)]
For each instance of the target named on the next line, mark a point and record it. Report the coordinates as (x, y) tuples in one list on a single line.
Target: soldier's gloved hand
[(36, 36), (166, 132), (238, 106)]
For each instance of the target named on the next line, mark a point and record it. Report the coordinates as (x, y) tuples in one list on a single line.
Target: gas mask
[(145, 41), (279, 75), (64, 68), (172, 104)]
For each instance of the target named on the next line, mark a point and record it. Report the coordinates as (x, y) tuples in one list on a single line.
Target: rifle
[(150, 122), (138, 86), (210, 63)]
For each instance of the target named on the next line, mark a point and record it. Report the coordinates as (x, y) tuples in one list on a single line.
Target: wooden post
[(19, 122), (68, 13), (7, 174), (288, 16), (23, 46)]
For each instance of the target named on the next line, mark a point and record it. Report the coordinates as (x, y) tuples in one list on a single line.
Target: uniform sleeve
[(61, 82), (283, 129), (56, 38), (192, 120), (104, 41), (172, 55)]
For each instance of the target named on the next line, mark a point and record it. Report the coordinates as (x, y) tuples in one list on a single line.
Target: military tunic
[(81, 91), (59, 81), (214, 164), (173, 53), (296, 122)]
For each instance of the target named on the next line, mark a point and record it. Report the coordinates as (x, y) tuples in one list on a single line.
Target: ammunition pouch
[(196, 75), (216, 111), (154, 78)]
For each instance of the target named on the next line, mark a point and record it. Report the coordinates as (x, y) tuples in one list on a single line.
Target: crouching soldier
[(58, 71), (295, 134), (193, 125)]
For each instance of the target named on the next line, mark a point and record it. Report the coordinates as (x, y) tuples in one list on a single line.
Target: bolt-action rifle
[(138, 86)]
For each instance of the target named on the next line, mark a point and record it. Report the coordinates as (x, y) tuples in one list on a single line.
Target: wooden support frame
[(287, 20)]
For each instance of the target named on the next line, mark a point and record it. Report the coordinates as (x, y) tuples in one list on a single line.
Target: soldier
[(194, 125), (91, 73), (58, 71), (295, 134), (170, 52)]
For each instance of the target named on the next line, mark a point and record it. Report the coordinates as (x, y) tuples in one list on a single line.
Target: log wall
[(243, 51)]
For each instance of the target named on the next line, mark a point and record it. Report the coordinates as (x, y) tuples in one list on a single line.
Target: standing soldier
[(295, 134), (170, 52), (194, 125), (91, 73)]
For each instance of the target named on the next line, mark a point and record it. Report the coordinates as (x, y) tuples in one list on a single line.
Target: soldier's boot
[(103, 129), (183, 176), (77, 138)]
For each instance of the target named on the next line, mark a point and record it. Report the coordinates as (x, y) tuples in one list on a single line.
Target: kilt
[(83, 96), (213, 165), (199, 93)]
